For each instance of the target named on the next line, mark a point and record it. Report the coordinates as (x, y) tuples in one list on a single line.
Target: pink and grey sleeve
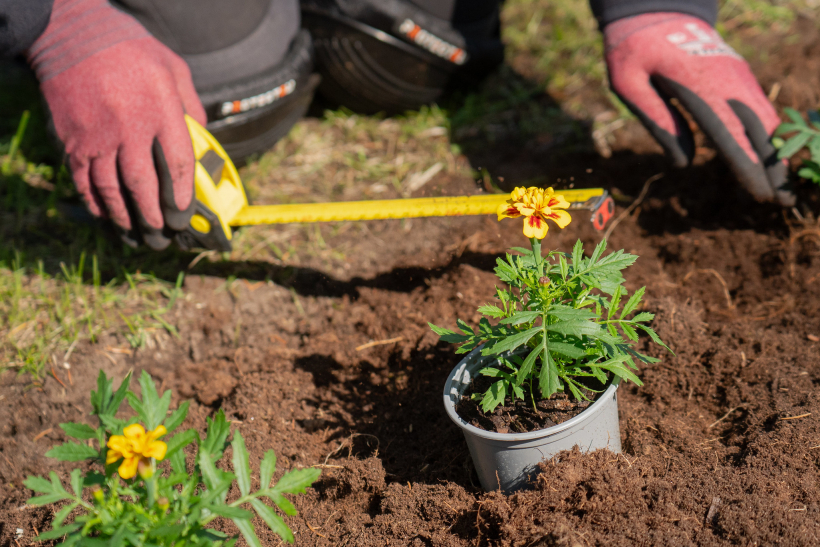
[(607, 11), (22, 22)]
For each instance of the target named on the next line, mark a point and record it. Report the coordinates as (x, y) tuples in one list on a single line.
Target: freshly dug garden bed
[(338, 369), (720, 445)]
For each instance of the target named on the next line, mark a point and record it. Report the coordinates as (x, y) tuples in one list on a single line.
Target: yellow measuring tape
[(389, 208), (222, 203)]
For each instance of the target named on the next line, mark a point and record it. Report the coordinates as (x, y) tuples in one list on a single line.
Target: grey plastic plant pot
[(507, 461)]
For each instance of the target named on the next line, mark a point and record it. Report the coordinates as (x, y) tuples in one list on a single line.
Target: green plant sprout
[(133, 502), (804, 136), (561, 317)]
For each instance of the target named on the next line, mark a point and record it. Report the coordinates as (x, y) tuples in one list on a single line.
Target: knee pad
[(250, 63), (250, 115), (392, 56)]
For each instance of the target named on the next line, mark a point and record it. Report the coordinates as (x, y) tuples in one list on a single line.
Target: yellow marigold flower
[(136, 447), (536, 205)]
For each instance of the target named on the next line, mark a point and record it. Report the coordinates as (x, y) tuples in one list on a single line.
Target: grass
[(556, 43), (42, 318), (345, 155)]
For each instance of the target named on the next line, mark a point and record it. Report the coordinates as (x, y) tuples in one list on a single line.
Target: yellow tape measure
[(222, 203)]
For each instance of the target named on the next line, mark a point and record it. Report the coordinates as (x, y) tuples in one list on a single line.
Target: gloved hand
[(657, 56), (118, 97)]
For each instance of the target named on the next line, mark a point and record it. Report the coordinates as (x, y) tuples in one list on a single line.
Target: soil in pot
[(519, 416)]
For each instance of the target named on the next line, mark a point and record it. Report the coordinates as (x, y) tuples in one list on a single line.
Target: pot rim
[(450, 406)]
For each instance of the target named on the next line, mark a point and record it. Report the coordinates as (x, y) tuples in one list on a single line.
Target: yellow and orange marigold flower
[(536, 205), (136, 447)]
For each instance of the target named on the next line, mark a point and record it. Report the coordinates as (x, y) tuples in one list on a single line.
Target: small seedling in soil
[(562, 319), (135, 502), (803, 135)]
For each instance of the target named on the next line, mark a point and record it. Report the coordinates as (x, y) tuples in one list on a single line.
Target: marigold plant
[(133, 502), (559, 318), (803, 135)]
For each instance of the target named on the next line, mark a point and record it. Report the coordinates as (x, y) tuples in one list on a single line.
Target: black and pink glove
[(658, 56), (118, 98)]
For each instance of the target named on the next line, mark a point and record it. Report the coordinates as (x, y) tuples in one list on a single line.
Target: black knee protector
[(392, 56), (250, 115), (250, 64)]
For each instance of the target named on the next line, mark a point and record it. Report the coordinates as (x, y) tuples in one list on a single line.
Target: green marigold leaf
[(654, 336), (793, 144), (241, 466), (575, 328), (230, 512), (629, 331), (512, 342), (548, 380), (494, 396), (101, 397), (177, 417), (633, 302), (267, 468), (296, 481), (59, 532), (118, 396), (72, 452), (180, 441), (643, 316), (274, 521), (79, 431), (217, 434), (246, 528), (618, 368), (62, 514), (448, 336), (77, 482), (491, 311), (154, 407), (521, 317), (48, 499), (795, 116), (38, 484), (567, 350), (527, 366)]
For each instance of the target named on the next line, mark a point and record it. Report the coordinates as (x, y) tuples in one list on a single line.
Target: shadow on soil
[(395, 411)]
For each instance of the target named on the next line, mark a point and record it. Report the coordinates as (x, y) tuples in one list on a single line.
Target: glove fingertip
[(680, 148), (155, 239), (175, 218)]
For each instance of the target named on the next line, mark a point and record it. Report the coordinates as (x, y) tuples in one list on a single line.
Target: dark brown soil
[(721, 445), (520, 416)]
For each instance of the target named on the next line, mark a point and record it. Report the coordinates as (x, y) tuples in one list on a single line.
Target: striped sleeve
[(21, 23), (607, 11)]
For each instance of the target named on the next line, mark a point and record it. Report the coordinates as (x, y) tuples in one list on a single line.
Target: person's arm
[(607, 11), (117, 97), (656, 56), (22, 22)]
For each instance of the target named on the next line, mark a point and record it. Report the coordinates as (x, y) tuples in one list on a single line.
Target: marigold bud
[(544, 280), (98, 494), (145, 469), (163, 504)]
